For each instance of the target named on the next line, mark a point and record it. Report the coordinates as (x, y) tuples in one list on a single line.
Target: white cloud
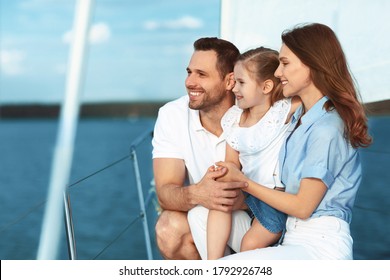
[(11, 62), (99, 33), (151, 25), (184, 22)]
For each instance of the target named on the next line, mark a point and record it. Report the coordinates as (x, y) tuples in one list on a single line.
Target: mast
[(63, 153)]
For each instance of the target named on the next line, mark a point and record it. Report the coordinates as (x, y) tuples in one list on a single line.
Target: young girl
[(255, 129), (319, 162)]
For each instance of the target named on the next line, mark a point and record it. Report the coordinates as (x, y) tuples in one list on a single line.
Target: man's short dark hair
[(227, 53)]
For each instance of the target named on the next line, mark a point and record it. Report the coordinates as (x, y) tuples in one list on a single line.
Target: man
[(188, 139)]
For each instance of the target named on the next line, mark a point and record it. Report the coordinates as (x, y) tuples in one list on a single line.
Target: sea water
[(105, 206)]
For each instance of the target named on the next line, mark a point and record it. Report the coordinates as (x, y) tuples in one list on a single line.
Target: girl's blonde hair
[(262, 63)]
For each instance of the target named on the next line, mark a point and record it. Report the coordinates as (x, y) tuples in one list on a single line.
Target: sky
[(138, 50)]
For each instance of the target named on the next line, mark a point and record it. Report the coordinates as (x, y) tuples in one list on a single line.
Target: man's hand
[(222, 196)]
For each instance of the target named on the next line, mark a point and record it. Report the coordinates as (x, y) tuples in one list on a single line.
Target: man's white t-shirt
[(179, 134)]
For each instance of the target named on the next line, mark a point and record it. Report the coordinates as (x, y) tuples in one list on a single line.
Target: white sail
[(362, 26)]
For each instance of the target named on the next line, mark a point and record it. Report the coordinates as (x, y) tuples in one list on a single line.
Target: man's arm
[(169, 175)]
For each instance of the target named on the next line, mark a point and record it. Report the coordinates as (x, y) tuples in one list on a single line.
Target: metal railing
[(143, 202)]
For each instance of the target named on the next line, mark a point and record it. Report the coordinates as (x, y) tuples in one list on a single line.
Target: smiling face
[(293, 74), (204, 84), (247, 91)]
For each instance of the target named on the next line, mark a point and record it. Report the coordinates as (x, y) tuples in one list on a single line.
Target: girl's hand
[(232, 174)]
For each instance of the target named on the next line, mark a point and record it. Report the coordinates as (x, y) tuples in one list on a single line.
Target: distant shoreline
[(125, 110), (88, 110)]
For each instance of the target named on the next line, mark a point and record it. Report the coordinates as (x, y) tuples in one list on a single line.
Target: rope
[(98, 171), (72, 185), (119, 235), (21, 217)]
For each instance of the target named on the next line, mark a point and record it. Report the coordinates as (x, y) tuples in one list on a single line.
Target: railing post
[(71, 241), (69, 227), (141, 203)]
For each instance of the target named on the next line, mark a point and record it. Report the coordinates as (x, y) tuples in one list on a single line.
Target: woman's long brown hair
[(317, 46)]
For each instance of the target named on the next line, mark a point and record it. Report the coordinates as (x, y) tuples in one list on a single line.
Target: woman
[(320, 165)]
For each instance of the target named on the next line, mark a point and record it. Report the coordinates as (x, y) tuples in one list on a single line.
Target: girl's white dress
[(258, 148)]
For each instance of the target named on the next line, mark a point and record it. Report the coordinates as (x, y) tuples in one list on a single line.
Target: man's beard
[(209, 101)]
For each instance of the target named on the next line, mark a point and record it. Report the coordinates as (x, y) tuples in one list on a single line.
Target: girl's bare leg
[(258, 237), (219, 225)]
